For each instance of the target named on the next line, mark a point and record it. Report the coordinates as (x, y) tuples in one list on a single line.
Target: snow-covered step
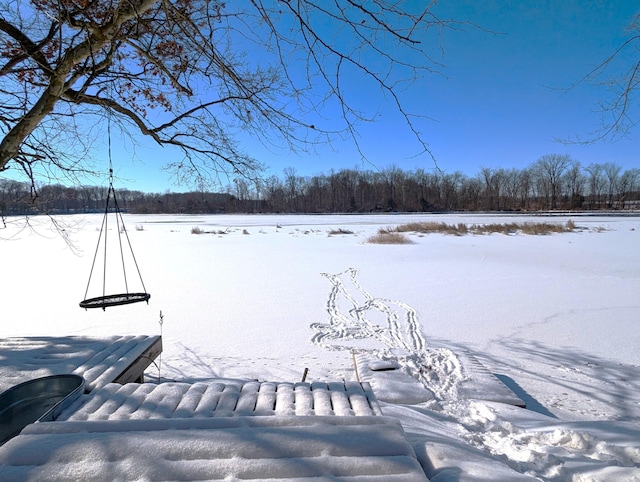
[(119, 359), (227, 448), (223, 398)]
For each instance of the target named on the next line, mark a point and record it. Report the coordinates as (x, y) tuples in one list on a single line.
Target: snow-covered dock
[(394, 385), (218, 429)]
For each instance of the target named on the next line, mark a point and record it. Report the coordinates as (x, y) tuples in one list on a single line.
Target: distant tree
[(192, 74), (549, 170), (493, 181), (574, 182), (612, 173), (274, 192), (241, 189), (595, 181), (394, 184), (629, 183), (470, 194), (451, 185), (422, 181), (293, 188), (317, 190), (526, 180), (512, 187)]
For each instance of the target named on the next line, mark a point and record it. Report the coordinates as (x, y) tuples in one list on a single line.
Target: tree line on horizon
[(553, 182)]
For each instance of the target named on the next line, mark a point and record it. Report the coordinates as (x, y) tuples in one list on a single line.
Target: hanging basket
[(114, 300)]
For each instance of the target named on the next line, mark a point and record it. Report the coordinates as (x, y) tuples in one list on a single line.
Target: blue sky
[(501, 100)]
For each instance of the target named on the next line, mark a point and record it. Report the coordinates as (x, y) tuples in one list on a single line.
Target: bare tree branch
[(192, 73), (619, 114)]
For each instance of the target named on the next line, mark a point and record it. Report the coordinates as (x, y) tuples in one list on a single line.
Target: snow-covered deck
[(219, 429), (119, 359), (222, 448), (223, 398)]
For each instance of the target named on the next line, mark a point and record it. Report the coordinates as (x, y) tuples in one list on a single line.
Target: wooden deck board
[(135, 371), (99, 360), (224, 399)]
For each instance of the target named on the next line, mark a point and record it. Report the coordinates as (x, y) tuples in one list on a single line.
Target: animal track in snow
[(356, 315)]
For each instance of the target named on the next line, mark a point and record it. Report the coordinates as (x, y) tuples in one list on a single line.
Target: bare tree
[(293, 185), (574, 181), (470, 194), (628, 184), (612, 173), (595, 181), (549, 170), (493, 184), (512, 187), (192, 74)]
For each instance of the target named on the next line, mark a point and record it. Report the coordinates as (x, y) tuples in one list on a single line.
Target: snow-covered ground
[(265, 296)]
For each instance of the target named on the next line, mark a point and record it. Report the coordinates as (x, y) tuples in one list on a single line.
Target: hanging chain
[(109, 149)]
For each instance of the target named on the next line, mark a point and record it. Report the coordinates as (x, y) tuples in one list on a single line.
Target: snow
[(224, 448), (99, 361), (554, 317), (222, 398)]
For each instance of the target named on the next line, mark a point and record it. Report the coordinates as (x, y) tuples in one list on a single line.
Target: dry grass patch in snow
[(199, 230), (428, 228), (389, 238), (462, 229), (334, 232)]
